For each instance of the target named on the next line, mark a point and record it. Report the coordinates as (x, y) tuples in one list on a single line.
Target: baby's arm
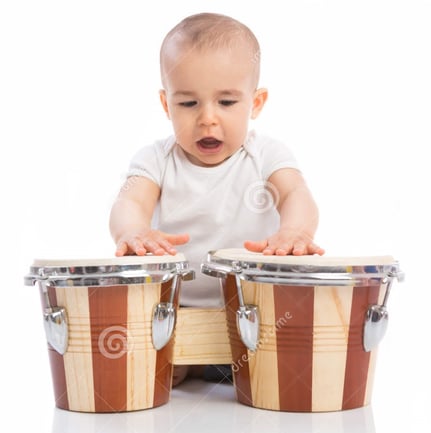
[(298, 217), (130, 221)]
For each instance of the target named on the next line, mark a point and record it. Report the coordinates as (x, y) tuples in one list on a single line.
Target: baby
[(204, 188)]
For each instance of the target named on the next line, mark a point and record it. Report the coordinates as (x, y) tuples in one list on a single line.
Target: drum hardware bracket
[(247, 315), (55, 318), (164, 313), (376, 318)]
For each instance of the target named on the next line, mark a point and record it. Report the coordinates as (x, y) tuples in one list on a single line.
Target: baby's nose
[(208, 115)]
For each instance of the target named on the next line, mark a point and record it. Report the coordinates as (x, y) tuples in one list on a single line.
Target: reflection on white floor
[(197, 406)]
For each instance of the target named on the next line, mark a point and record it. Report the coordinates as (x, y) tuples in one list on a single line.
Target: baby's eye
[(227, 102), (188, 103)]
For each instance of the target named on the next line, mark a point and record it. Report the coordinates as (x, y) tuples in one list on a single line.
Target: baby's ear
[(259, 99), (164, 101)]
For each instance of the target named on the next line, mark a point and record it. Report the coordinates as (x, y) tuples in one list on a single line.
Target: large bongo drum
[(109, 326), (303, 330)]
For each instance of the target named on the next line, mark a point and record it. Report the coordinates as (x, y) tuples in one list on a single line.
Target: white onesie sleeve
[(150, 161), (270, 154)]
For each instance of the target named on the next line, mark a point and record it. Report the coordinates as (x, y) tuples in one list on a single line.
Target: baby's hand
[(151, 241), (283, 243)]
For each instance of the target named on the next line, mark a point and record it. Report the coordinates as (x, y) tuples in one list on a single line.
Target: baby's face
[(210, 97)]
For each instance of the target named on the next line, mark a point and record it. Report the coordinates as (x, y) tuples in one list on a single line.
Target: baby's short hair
[(210, 30)]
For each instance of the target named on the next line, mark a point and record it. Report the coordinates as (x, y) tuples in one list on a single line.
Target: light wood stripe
[(201, 337), (78, 365), (141, 355), (263, 364), (330, 337)]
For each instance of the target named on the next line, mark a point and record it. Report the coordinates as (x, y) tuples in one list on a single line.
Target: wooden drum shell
[(310, 356), (110, 364)]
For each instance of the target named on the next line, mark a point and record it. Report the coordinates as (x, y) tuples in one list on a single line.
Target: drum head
[(290, 269), (109, 271)]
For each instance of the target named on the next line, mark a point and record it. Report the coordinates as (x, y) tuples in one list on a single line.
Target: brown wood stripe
[(56, 362), (240, 365), (357, 363), (294, 322), (58, 378), (373, 356), (108, 318)]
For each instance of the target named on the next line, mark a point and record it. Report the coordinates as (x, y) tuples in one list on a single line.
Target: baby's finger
[(178, 239), (167, 246), (138, 247), (315, 249), (299, 249), (256, 246), (121, 249), (152, 247), (279, 249)]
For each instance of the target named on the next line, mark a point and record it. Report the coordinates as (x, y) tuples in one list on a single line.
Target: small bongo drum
[(109, 324), (303, 330)]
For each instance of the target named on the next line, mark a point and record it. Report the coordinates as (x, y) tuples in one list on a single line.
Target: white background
[(350, 92)]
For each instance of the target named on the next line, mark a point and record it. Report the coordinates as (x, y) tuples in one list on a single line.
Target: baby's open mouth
[(209, 143)]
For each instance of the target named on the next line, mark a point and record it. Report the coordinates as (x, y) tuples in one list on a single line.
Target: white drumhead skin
[(314, 260), (111, 261)]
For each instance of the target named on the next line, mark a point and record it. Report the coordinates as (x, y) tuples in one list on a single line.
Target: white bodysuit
[(219, 207)]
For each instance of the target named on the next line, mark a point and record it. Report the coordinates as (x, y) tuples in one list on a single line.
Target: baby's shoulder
[(258, 144), (163, 147), (159, 149), (151, 160), (269, 154)]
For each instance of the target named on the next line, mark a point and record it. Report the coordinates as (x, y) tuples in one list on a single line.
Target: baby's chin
[(207, 159)]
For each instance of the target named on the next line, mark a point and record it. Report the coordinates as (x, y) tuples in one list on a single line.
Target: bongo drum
[(303, 330), (109, 324)]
